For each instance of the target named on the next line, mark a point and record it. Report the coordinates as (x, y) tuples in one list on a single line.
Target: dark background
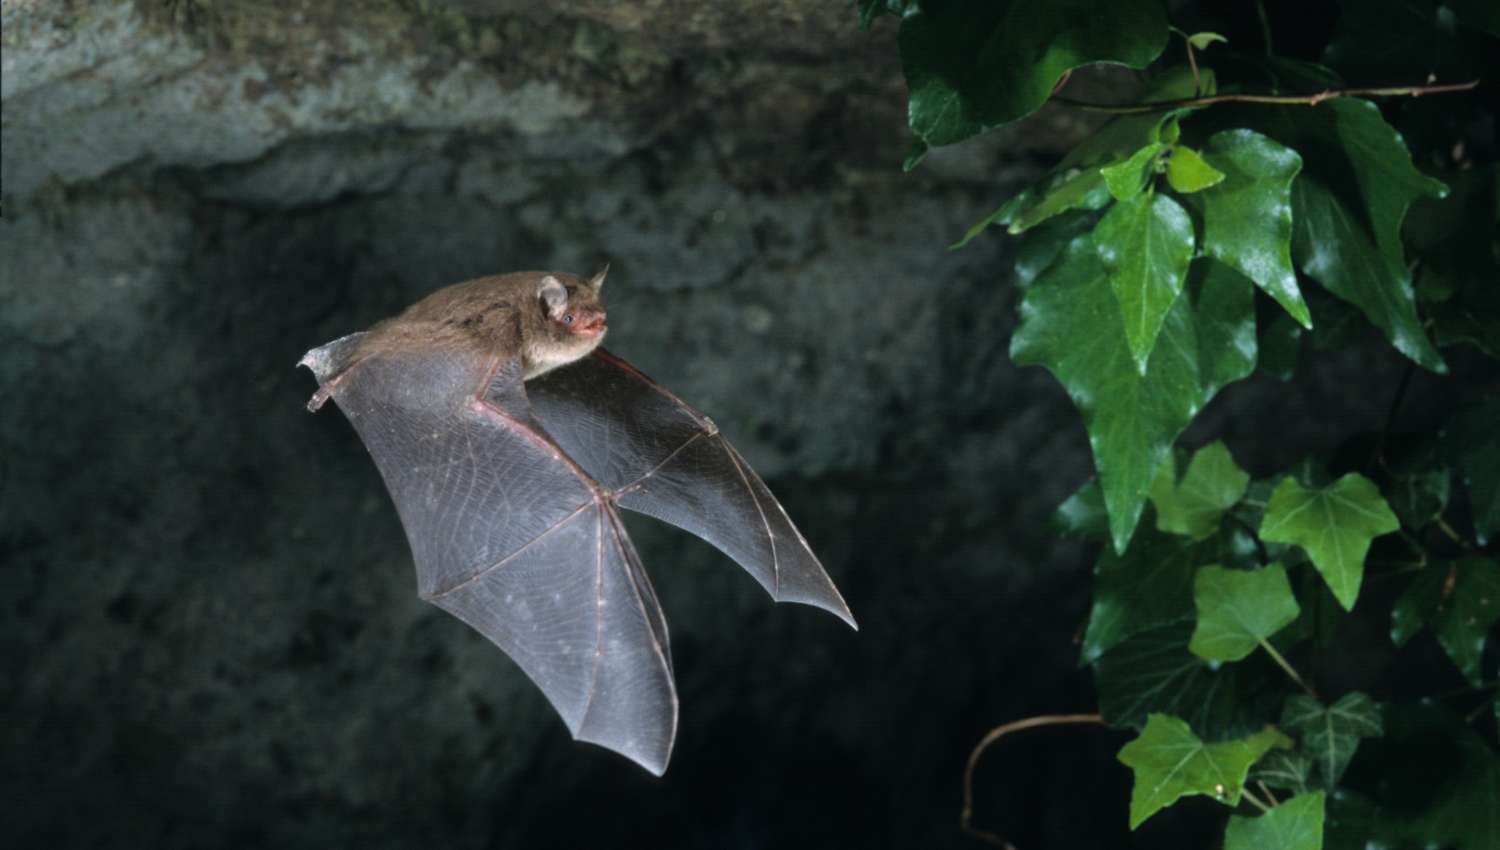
[(211, 633)]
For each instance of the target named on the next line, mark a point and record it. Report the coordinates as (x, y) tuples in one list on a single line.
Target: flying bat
[(508, 440)]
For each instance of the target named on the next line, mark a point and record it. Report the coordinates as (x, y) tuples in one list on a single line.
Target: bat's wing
[(663, 458), (513, 538)]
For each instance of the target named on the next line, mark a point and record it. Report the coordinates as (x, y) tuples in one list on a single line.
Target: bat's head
[(574, 320)]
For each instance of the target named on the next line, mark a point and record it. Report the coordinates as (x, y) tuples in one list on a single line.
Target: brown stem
[(1193, 64), (991, 737), (1282, 99)]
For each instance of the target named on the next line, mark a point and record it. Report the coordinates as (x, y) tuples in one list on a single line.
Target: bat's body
[(507, 463)]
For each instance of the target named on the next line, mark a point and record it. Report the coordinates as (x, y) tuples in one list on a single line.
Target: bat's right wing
[(662, 458), (512, 537)]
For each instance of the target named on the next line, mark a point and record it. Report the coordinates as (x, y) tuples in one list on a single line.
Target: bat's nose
[(591, 324)]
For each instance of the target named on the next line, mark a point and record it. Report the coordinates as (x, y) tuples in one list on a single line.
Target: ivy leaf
[(1280, 346), (975, 64), (1348, 204), (1188, 171), (1456, 240), (1332, 734), (1419, 487), (1153, 672), (1082, 514), (1335, 524), (1071, 189), (1070, 324), (1170, 762), (1247, 219), (1148, 586), (1472, 442), (1211, 486), (1460, 603), (1201, 40), (1145, 244), (1289, 770), (1296, 824), (869, 10), (1239, 609), (1429, 782), (1127, 179)]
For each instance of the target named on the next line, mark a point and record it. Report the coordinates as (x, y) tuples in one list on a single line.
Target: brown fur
[(501, 315)]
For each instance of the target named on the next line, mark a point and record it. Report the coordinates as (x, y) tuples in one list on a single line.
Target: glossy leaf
[(1472, 442), (1458, 242), (975, 64), (1201, 40), (1126, 179), (1288, 770), (1070, 324), (1145, 245), (1348, 205), (1239, 610), (1460, 602), (1296, 824), (1247, 218), (1149, 585), (1193, 506), (1153, 672), (1188, 171), (1081, 188), (1331, 734), (1334, 524), (1170, 762), (1082, 514)]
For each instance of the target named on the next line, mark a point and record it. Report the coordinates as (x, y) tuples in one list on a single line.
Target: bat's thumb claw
[(317, 400)]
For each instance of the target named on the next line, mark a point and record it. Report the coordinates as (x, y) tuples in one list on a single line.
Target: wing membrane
[(510, 536), (665, 459)]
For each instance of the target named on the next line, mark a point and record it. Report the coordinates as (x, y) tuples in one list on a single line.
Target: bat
[(508, 440)]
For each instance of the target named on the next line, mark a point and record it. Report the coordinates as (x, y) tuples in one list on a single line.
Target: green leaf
[(1123, 135), (1280, 346), (1458, 242), (1070, 324), (975, 64), (1472, 443), (1239, 609), (1296, 824), (1145, 244), (1188, 171), (1332, 734), (1148, 586), (1201, 40), (1082, 514), (1211, 486), (1419, 487), (1247, 219), (1335, 524), (869, 10), (1356, 185), (1289, 770), (1460, 602), (1127, 179), (1430, 782), (1072, 189), (1170, 762), (1153, 672)]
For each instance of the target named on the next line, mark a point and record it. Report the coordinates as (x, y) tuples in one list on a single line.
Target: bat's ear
[(596, 283), (552, 293)]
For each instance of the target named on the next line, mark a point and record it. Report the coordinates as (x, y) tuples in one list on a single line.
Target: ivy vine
[(1247, 204)]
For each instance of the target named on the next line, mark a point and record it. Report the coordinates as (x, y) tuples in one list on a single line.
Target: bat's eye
[(568, 319)]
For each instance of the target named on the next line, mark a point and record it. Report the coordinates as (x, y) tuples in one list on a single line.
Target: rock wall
[(213, 636)]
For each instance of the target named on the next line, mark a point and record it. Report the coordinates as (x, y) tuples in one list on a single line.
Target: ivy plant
[(1240, 211)]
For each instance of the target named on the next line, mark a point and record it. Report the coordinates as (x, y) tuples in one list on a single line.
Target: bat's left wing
[(511, 536), (662, 458)]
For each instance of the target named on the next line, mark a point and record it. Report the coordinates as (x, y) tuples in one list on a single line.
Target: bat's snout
[(590, 324)]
